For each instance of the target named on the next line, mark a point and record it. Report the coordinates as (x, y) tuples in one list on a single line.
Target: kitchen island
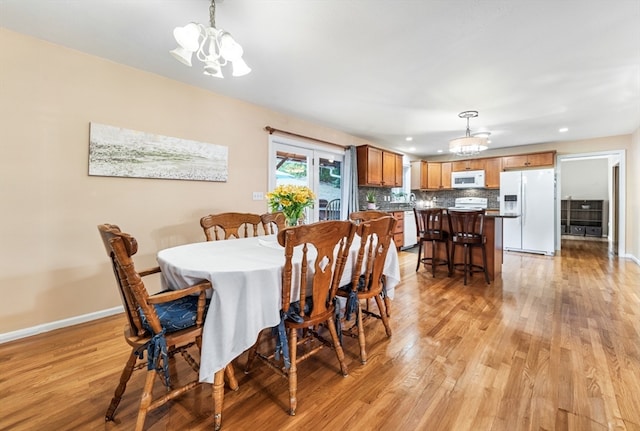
[(493, 232)]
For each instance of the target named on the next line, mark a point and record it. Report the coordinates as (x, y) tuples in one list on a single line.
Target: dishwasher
[(410, 230)]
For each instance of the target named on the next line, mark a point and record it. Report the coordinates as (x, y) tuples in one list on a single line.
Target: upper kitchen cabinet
[(379, 168), (391, 169), (533, 160), (430, 175), (492, 169), (438, 175), (419, 173), (468, 165), (445, 175)]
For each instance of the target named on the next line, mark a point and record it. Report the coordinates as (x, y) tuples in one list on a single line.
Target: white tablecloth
[(246, 274)]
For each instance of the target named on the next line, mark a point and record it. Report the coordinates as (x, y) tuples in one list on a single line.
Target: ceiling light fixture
[(469, 145), (215, 48)]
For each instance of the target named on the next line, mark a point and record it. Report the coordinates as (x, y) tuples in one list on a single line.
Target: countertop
[(491, 212)]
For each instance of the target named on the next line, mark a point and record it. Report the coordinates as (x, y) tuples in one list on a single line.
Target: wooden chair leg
[(231, 377), (453, 257), (337, 347), (465, 259), (419, 255), (383, 315), (449, 261), (387, 305), (252, 354), (218, 398), (124, 379), (146, 399), (433, 258), (293, 371), (361, 339)]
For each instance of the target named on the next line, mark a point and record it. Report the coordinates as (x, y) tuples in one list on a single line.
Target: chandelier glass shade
[(214, 47), (469, 144)]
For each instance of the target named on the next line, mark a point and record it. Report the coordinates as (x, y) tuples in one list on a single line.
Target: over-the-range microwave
[(467, 179)]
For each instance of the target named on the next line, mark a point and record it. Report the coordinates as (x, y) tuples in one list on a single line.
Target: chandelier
[(469, 145), (214, 47)]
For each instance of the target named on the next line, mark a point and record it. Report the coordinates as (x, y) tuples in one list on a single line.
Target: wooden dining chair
[(273, 223), (229, 225), (158, 327), (323, 248), (360, 216), (367, 279)]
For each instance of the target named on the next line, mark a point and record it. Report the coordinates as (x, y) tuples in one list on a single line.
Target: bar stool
[(429, 223), (467, 230)]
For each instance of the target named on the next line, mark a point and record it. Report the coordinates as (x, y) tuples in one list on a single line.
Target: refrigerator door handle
[(524, 203)]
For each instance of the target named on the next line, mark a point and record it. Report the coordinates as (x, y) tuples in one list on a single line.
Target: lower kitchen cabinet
[(398, 234)]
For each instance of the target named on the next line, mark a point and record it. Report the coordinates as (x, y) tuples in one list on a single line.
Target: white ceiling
[(387, 69)]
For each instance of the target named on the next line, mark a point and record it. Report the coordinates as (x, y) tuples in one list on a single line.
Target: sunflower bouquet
[(291, 200)]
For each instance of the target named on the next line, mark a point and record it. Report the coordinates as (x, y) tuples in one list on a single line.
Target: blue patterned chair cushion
[(175, 315)]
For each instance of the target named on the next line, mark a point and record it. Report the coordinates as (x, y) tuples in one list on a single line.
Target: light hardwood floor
[(554, 345)]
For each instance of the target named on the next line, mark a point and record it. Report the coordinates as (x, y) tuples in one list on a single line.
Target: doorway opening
[(614, 187)]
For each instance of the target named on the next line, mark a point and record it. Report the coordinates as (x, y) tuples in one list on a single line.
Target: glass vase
[(292, 220)]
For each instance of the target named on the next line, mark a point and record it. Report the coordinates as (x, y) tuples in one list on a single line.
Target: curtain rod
[(272, 130)]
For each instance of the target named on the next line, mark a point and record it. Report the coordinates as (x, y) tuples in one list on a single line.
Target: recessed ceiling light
[(408, 138), (439, 151), (412, 148), (563, 129)]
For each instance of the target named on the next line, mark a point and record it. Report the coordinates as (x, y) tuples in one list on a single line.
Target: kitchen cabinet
[(430, 175), (377, 167), (398, 234), (468, 165), (445, 175), (492, 169), (391, 169), (434, 176), (369, 166), (533, 160), (419, 174), (439, 175)]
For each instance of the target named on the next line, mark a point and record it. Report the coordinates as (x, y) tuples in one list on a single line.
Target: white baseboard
[(633, 258), (46, 327)]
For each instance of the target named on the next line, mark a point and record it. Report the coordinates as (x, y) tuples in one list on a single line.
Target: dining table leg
[(218, 398)]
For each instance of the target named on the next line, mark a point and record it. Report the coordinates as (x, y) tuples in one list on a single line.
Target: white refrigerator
[(531, 194)]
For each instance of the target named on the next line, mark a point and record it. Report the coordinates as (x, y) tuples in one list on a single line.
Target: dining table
[(246, 275)]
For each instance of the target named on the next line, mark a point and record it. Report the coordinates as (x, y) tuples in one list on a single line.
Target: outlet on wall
[(258, 196)]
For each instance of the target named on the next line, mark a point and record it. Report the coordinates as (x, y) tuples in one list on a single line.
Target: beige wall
[(52, 263)]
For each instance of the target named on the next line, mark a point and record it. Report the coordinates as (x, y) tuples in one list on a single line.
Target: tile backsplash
[(446, 198), (385, 199)]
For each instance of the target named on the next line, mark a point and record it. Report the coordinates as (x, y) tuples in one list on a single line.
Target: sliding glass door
[(319, 168)]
